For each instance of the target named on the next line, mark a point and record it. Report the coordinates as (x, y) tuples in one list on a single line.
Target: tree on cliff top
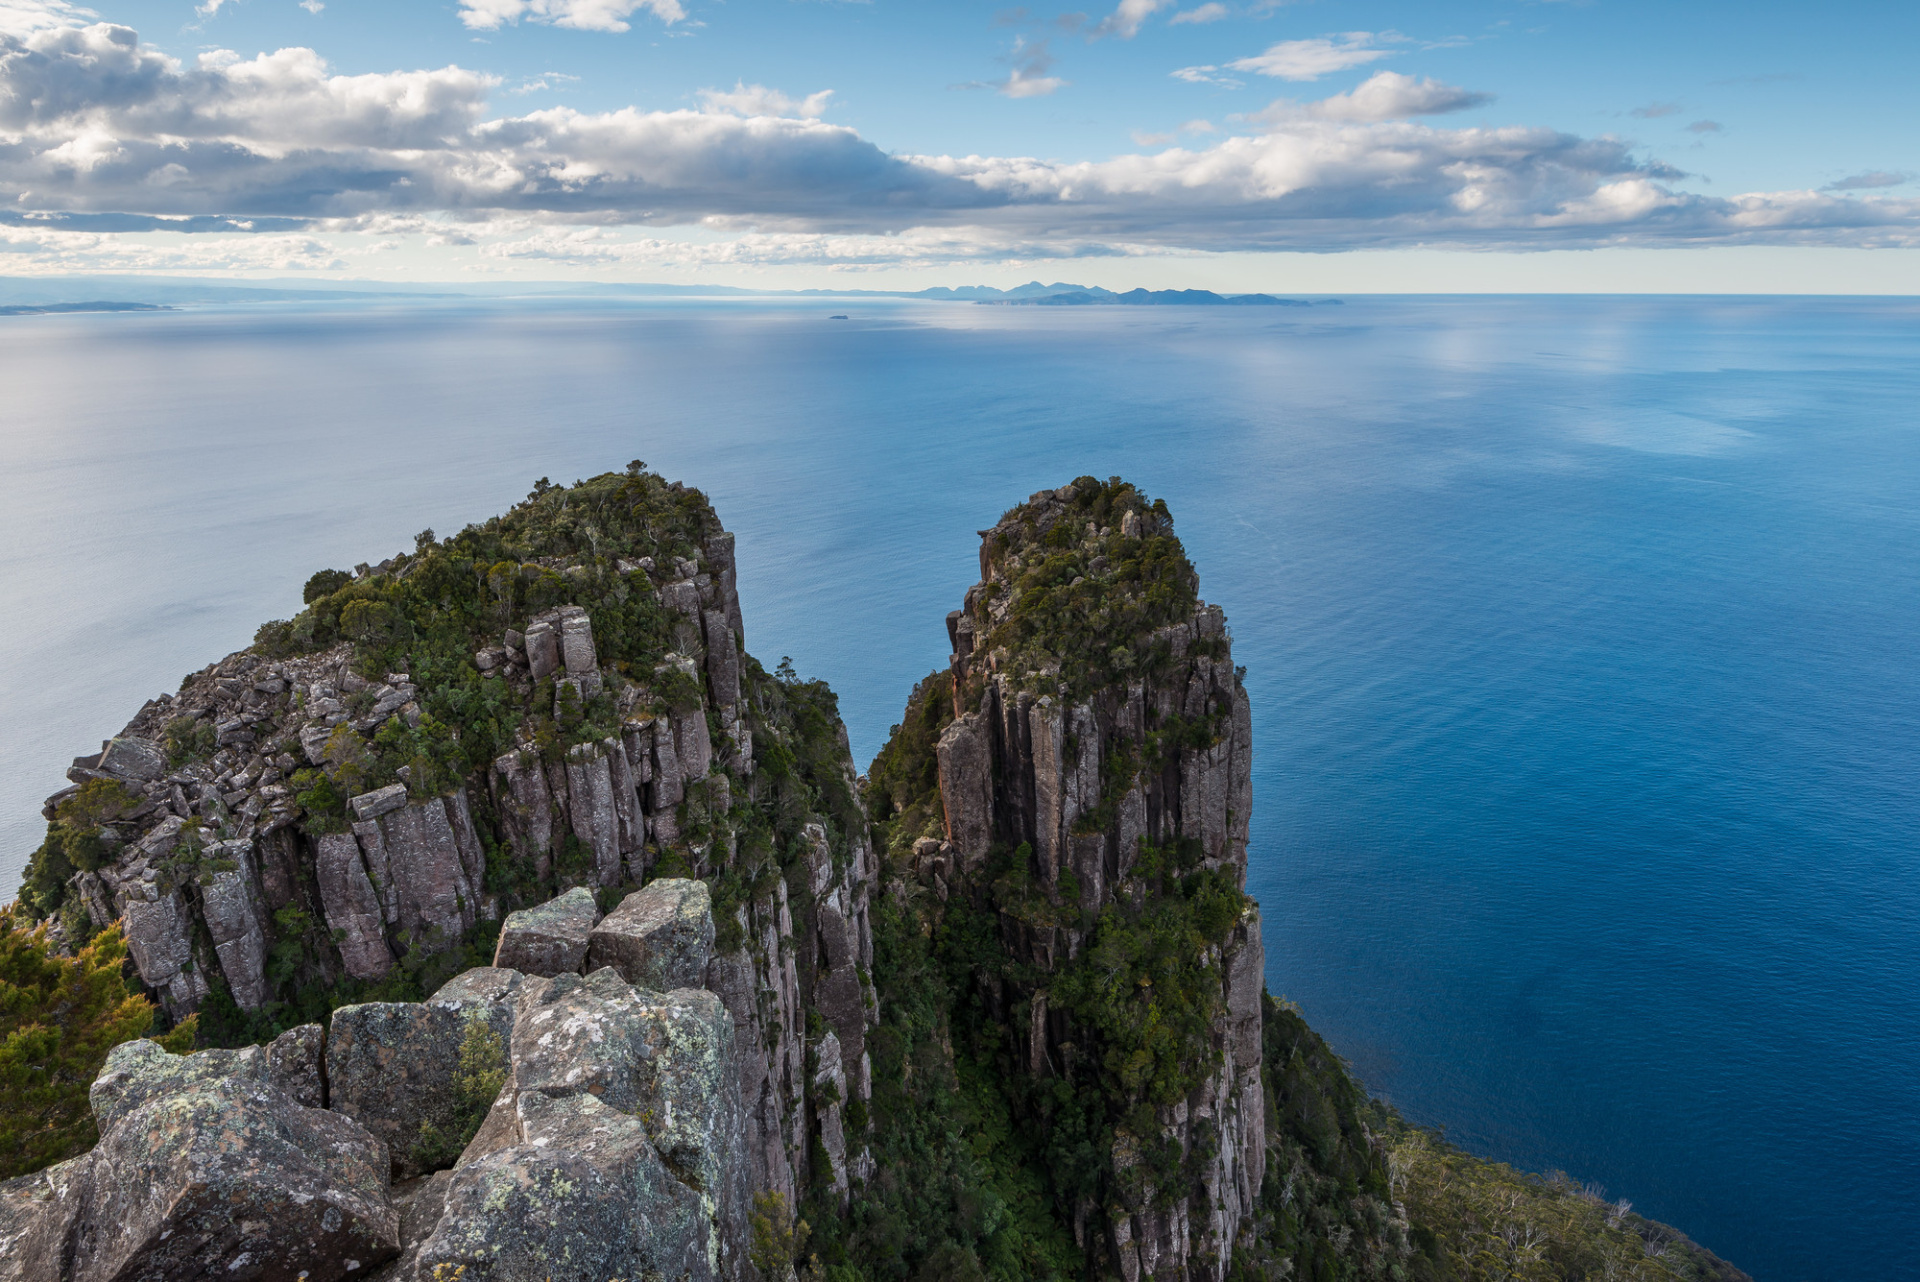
[(59, 1016)]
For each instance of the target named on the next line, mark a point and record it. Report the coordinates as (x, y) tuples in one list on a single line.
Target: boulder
[(131, 758), (551, 938), (232, 1178), (624, 1103), (660, 937), (138, 1072), (391, 1066), (381, 801), (543, 650), (208, 1176)]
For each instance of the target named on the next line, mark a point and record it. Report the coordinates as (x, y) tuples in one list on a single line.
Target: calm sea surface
[(1581, 635)]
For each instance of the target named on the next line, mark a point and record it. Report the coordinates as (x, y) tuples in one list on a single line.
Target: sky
[(1318, 145)]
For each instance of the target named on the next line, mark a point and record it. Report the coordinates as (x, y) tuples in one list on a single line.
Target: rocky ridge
[(558, 698), (612, 1142), (994, 1011)]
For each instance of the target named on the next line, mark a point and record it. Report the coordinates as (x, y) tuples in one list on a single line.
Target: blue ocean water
[(1581, 635)]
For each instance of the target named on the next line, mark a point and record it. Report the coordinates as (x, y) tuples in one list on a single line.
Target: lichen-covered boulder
[(550, 939), (227, 1177), (139, 1071), (392, 1066), (582, 1196), (660, 937), (657, 1078)]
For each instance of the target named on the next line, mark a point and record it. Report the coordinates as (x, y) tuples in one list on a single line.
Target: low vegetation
[(59, 1016)]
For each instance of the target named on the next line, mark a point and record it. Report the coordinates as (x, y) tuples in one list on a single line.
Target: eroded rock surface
[(660, 937), (551, 938), (205, 1168), (391, 1065)]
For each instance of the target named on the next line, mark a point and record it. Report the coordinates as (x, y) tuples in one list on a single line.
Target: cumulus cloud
[(1205, 13), (758, 100), (1126, 20), (1705, 127), (93, 124), (1311, 59), (582, 15), (1655, 110), (1388, 95)]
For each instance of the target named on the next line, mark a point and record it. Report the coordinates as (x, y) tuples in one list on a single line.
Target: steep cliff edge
[(549, 935), (558, 697), (1076, 789)]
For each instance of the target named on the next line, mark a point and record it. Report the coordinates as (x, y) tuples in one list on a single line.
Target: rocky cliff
[(534, 930), (1092, 749), (560, 697)]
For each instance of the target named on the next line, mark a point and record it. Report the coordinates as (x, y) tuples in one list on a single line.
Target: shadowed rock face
[(391, 1065)]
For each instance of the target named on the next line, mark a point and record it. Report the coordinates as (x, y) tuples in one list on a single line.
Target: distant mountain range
[(20, 294)]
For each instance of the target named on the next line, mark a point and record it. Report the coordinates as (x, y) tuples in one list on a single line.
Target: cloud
[(1705, 127), (758, 100), (1311, 59), (1126, 20), (1029, 79), (1388, 95), (582, 15), (313, 6), (95, 125), (1655, 110), (1207, 75), (1872, 180), (1205, 13), (210, 8), (1144, 139)]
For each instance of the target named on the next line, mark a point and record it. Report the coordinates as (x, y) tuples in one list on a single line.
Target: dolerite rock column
[(1026, 761)]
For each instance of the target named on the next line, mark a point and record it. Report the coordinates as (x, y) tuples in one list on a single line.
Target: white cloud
[(211, 7), (758, 100), (1311, 59), (1029, 79), (582, 15), (1205, 13), (1205, 75), (1126, 20), (100, 134), (313, 6), (1388, 95)]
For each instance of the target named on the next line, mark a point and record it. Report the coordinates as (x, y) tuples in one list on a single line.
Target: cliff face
[(994, 1011), (1092, 784), (560, 697)]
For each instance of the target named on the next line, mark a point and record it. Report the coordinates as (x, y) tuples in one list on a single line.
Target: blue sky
[(1327, 144)]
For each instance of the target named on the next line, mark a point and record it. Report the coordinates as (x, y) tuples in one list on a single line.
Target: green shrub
[(59, 1016)]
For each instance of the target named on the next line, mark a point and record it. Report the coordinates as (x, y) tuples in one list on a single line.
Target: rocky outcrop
[(1098, 727), (367, 785), (208, 1165), (660, 937), (391, 1066), (550, 938)]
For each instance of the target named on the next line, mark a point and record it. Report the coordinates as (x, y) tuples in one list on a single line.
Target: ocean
[(1581, 635)]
